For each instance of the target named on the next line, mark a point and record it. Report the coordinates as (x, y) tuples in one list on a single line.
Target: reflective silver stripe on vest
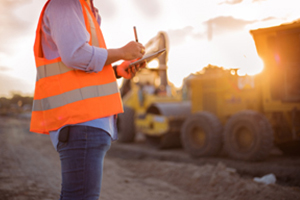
[(51, 70), (74, 96), (95, 41)]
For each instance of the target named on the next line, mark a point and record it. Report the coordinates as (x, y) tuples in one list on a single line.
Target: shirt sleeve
[(64, 23)]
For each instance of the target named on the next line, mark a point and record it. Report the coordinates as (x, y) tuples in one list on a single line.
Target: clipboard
[(148, 57)]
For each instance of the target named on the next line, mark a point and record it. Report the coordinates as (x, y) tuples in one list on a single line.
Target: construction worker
[(76, 96)]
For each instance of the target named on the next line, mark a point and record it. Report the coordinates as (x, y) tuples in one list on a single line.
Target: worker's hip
[(82, 158), (79, 136)]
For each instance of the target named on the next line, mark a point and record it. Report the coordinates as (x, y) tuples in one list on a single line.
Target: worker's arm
[(65, 35)]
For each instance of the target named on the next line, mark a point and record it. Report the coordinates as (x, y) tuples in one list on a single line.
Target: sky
[(200, 32)]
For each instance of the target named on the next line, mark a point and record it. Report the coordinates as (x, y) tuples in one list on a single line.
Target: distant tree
[(21, 100), (4, 102), (16, 104)]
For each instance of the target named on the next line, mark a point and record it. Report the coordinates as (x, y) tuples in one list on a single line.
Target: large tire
[(248, 135), (201, 134), (126, 127)]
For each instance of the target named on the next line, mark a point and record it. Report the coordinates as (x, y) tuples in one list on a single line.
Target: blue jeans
[(82, 162)]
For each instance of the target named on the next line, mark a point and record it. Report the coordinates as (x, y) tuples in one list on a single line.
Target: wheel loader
[(244, 115), (148, 98), (247, 115)]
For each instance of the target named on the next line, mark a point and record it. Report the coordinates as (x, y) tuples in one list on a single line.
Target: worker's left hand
[(127, 71)]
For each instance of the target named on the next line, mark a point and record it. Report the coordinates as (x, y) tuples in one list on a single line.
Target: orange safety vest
[(64, 95)]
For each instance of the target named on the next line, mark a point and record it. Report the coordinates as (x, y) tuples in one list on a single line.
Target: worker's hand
[(133, 50), (127, 71)]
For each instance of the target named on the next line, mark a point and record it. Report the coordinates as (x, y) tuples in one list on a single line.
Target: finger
[(133, 69), (143, 50), (127, 76), (140, 45), (137, 67), (142, 65), (138, 54), (131, 73)]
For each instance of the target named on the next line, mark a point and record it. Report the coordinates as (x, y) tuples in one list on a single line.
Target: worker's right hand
[(133, 50), (127, 71)]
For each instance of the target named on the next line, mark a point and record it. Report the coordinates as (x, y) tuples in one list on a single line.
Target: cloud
[(223, 24), (228, 23), (232, 2), (254, 1), (178, 36), (215, 26), (11, 25), (2, 68), (148, 8), (269, 19)]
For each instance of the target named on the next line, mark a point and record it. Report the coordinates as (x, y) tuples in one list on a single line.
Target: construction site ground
[(30, 169)]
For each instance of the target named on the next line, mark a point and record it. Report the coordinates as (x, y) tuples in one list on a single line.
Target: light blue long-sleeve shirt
[(64, 35)]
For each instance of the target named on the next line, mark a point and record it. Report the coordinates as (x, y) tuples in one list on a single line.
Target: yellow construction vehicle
[(146, 92), (245, 115), (249, 114)]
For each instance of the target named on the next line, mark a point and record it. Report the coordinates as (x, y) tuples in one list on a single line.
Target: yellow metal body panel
[(273, 45), (153, 125), (224, 94), (279, 48)]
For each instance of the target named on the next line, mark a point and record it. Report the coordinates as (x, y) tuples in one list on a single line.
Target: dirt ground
[(30, 169)]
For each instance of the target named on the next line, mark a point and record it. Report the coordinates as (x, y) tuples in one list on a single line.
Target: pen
[(135, 34)]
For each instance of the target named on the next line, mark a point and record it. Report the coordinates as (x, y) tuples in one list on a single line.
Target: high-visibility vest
[(64, 95)]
